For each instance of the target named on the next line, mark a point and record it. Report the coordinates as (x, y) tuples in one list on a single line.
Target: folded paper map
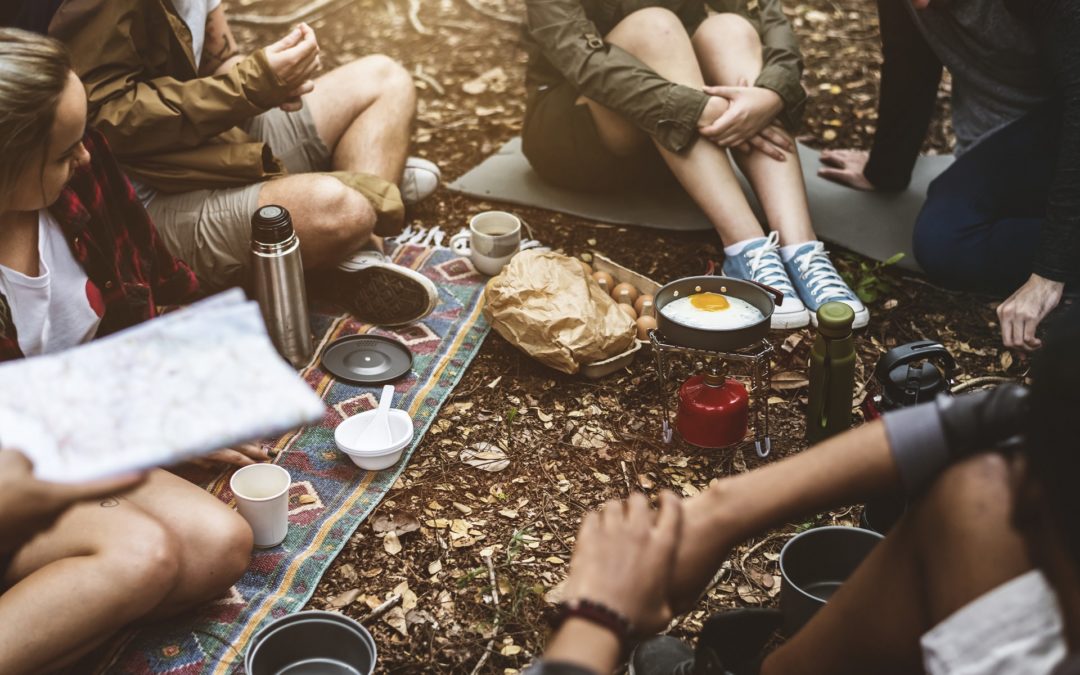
[(183, 385)]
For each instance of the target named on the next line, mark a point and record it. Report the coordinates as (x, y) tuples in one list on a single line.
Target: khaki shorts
[(1014, 629), (210, 230)]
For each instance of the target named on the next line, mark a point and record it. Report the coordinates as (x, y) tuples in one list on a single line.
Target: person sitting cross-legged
[(615, 87), (209, 136)]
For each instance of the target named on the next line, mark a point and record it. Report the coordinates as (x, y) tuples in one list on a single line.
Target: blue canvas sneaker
[(760, 262), (818, 282)]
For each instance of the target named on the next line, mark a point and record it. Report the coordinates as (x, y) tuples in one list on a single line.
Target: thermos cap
[(271, 224), (835, 319)]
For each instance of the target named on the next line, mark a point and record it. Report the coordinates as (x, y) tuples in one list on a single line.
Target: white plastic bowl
[(349, 432)]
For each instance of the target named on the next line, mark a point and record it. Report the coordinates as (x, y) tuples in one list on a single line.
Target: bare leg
[(364, 112), (104, 565), (331, 220), (952, 547), (216, 541), (657, 37), (729, 51)]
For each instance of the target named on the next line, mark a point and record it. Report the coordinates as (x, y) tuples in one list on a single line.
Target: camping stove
[(751, 363)]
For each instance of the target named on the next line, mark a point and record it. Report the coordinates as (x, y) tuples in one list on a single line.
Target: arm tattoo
[(218, 49)]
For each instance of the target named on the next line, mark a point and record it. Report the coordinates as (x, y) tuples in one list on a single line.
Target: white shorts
[(1014, 629)]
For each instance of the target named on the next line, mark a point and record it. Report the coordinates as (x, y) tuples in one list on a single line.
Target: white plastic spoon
[(377, 432)]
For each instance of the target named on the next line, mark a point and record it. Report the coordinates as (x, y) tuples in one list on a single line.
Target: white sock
[(788, 252), (739, 246)]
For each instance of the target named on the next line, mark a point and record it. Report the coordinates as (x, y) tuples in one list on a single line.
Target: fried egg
[(712, 311)]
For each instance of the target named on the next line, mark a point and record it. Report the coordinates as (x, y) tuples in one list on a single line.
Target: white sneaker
[(380, 292), (419, 180)]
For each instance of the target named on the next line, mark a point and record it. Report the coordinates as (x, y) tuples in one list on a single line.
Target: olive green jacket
[(170, 128), (564, 39)]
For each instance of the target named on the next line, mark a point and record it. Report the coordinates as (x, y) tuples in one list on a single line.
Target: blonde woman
[(78, 259)]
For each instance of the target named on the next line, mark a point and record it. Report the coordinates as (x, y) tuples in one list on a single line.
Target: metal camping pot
[(311, 643), (762, 297)]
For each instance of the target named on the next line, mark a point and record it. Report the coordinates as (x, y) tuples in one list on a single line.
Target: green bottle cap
[(835, 319)]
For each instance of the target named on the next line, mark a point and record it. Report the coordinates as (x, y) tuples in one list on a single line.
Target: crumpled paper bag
[(544, 304)]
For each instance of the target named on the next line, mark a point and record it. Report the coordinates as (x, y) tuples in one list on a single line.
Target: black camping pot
[(311, 643), (762, 297), (814, 564)]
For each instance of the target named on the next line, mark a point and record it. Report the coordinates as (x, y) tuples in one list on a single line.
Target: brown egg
[(625, 292), (628, 311), (644, 325), (585, 266), (644, 305), (605, 280)]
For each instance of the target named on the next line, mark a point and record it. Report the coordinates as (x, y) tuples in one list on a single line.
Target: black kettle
[(911, 373)]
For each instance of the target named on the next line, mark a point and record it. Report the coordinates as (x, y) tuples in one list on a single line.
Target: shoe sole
[(386, 295), (789, 320), (862, 318)]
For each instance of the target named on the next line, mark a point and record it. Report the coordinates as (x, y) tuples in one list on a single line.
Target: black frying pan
[(724, 340)]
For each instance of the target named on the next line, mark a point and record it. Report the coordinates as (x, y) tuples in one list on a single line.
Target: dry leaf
[(485, 456), (398, 522), (645, 482), (345, 598), (391, 543), (434, 568), (791, 342), (396, 619), (466, 510), (510, 650), (554, 560), (789, 379), (1006, 360), (307, 499)]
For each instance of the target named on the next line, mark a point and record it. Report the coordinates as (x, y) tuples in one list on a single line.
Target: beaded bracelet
[(596, 613)]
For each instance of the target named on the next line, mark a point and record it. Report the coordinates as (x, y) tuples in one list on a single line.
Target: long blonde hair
[(34, 71)]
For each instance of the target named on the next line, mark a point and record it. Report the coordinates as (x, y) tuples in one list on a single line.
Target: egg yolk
[(709, 302)]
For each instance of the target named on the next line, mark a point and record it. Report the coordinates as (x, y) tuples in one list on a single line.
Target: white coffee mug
[(262, 498), (492, 239)]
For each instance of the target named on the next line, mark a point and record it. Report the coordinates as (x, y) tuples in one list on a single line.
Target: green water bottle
[(832, 373)]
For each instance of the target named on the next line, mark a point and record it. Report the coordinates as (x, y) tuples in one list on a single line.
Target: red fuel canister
[(713, 410)]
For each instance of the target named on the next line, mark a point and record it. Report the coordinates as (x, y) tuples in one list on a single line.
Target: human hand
[(1025, 309), (29, 506), (241, 455), (750, 110), (772, 141), (295, 103), (623, 559), (715, 106), (846, 167), (295, 60)]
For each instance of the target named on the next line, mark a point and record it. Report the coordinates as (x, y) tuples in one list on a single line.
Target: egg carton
[(644, 284)]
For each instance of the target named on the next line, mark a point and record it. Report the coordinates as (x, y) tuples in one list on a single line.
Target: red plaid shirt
[(112, 237)]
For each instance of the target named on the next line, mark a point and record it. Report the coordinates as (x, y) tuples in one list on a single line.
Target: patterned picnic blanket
[(330, 496)]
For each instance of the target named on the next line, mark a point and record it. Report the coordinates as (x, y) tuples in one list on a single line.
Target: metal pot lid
[(366, 359)]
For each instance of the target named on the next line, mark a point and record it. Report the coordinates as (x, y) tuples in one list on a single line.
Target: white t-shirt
[(59, 309), (194, 13)]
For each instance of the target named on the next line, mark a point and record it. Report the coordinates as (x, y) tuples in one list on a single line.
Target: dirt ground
[(476, 554)]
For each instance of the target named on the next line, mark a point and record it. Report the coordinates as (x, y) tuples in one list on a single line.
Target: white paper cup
[(492, 239), (262, 498)]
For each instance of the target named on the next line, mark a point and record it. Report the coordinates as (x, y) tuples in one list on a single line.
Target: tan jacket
[(565, 42), (170, 128)]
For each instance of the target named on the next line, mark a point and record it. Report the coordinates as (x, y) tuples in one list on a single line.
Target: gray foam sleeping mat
[(877, 225)]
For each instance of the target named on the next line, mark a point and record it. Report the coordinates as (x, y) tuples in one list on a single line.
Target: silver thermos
[(279, 283)]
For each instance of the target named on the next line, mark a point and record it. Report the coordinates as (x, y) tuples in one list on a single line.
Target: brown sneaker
[(379, 292)]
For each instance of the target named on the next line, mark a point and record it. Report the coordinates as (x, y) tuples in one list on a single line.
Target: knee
[(391, 75), (227, 542), (342, 217), (731, 30), (147, 559), (649, 31)]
